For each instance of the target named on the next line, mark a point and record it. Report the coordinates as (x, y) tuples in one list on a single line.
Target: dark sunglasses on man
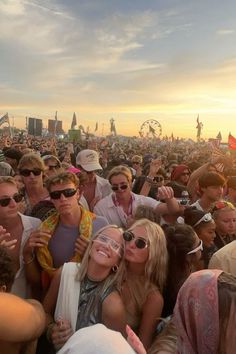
[(26, 172), (116, 187), (5, 201), (69, 192)]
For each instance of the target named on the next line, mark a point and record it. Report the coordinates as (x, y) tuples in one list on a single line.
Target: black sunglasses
[(6, 200), (158, 179), (26, 172), (122, 187), (139, 241), (69, 192)]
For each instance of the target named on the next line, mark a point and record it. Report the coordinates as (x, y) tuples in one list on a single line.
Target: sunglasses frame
[(116, 247), (68, 192), (25, 172), (17, 197), (206, 218), (122, 187), (129, 236), (198, 248)]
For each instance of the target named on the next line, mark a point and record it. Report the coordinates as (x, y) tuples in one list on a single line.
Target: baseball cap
[(88, 160)]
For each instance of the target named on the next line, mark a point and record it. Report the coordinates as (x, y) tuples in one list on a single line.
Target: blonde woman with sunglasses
[(83, 295), (146, 263)]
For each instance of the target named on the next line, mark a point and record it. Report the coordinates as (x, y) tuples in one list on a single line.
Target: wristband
[(30, 261)]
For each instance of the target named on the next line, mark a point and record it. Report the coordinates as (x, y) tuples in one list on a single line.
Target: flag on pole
[(96, 127), (4, 119), (231, 142), (74, 121)]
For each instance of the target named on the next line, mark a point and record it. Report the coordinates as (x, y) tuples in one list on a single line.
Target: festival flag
[(231, 142), (74, 121), (4, 119), (96, 127)]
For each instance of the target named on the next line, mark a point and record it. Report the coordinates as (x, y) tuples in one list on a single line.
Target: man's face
[(8, 190), (213, 193), (65, 203)]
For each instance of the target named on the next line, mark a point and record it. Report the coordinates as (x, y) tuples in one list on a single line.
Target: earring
[(115, 268)]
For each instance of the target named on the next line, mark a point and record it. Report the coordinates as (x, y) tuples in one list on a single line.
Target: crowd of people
[(117, 245)]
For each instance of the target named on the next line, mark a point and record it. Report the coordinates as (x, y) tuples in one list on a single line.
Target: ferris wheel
[(150, 127)]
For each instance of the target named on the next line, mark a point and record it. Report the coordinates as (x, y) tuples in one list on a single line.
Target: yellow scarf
[(85, 229)]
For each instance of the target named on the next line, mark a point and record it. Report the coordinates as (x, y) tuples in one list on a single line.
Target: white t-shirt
[(115, 213), (20, 287)]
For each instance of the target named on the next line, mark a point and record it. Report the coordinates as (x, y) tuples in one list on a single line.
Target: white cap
[(96, 339), (88, 160)]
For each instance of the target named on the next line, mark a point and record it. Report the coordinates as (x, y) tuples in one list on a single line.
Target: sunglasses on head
[(6, 200), (205, 218), (69, 192), (116, 247), (119, 186), (198, 248), (26, 172), (139, 242)]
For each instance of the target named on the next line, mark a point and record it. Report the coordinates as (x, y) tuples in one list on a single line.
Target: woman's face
[(108, 248), (134, 254), (207, 233), (120, 185), (226, 222)]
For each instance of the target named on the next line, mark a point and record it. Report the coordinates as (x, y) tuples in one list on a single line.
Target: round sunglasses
[(139, 242), (6, 200), (69, 192), (26, 172), (119, 186)]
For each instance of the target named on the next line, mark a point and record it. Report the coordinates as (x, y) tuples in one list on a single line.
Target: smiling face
[(107, 248), (134, 254)]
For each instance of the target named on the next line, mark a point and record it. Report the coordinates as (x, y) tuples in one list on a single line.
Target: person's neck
[(96, 272), (11, 223), (34, 191), (91, 178), (205, 203), (136, 268), (72, 218), (123, 199)]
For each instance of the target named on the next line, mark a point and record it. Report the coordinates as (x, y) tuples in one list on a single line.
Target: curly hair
[(7, 272)]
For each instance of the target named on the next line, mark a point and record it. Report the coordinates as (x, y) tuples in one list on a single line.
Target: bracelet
[(30, 261), (149, 179)]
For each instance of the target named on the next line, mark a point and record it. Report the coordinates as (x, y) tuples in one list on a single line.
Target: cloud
[(225, 32)]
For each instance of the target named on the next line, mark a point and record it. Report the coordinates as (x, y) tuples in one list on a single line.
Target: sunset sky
[(132, 60)]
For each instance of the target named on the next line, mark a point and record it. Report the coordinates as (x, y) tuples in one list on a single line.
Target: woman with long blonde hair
[(81, 295), (146, 262)]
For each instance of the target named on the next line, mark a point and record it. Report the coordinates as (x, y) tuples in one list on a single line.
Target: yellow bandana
[(85, 229)]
